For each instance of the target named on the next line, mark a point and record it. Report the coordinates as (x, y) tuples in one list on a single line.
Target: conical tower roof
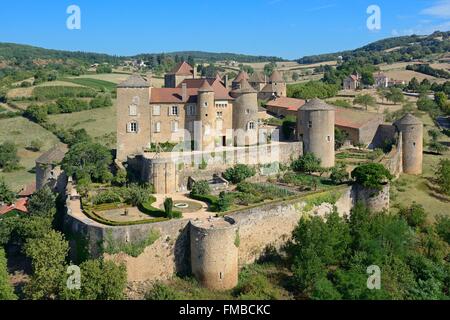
[(134, 81), (409, 119), (245, 87), (205, 87), (317, 105), (276, 77), (241, 76)]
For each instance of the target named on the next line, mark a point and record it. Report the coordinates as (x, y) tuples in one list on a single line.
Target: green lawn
[(99, 123), (22, 132)]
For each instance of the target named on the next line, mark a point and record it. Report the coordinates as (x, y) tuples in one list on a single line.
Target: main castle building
[(204, 111)]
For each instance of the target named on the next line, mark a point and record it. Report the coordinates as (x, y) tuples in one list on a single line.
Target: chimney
[(183, 91), (225, 81)]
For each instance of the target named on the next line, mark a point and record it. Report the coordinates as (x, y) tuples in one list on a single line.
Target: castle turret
[(245, 114), (133, 116), (214, 253), (412, 143), (242, 75), (278, 84), (316, 128), (207, 116)]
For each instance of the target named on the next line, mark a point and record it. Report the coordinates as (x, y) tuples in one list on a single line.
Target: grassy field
[(92, 83), (99, 123), (22, 132), (411, 188), (109, 77)]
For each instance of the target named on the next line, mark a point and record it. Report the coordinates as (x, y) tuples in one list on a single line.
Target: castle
[(212, 120), (203, 110)]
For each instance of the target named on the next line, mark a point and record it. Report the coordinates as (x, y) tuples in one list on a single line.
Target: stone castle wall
[(171, 174), (258, 228)]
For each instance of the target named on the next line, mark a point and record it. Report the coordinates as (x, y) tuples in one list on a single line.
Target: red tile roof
[(19, 205), (174, 95), (183, 69), (286, 103)]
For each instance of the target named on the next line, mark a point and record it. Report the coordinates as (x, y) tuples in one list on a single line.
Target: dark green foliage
[(42, 203), (365, 100), (415, 215), (49, 93), (168, 207), (47, 256), (6, 194), (9, 160), (6, 290), (312, 89), (160, 291), (239, 173), (87, 160), (100, 280), (339, 174), (201, 188), (330, 258), (224, 202), (442, 227), (371, 175), (443, 176), (104, 68), (307, 163), (288, 126), (340, 136), (427, 69)]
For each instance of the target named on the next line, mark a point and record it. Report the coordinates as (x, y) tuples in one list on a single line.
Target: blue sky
[(286, 28)]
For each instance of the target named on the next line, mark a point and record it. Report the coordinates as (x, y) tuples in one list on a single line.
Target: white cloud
[(440, 9), (422, 29)]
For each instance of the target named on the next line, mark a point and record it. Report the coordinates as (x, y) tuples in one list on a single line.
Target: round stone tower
[(245, 114), (207, 116), (214, 252), (411, 130), (316, 127)]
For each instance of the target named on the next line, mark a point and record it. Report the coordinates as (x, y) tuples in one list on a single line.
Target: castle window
[(219, 114), (173, 111), (132, 110), (156, 110), (329, 139), (309, 124), (190, 110), (174, 126), (219, 124), (132, 127), (251, 125), (157, 127), (205, 104), (247, 111), (136, 100)]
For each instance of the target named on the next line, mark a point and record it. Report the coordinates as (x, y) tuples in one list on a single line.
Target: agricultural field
[(99, 123), (96, 84), (22, 131)]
